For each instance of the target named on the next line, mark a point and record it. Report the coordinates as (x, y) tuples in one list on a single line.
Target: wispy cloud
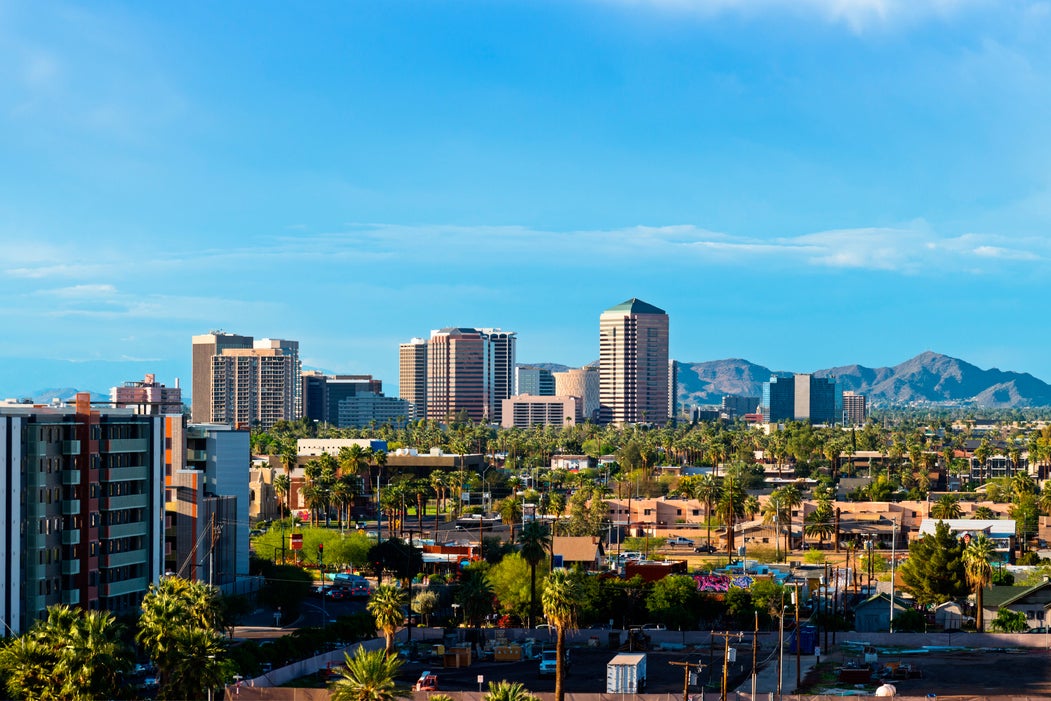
[(855, 14)]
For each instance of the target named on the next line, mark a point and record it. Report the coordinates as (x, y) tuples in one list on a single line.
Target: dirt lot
[(989, 672)]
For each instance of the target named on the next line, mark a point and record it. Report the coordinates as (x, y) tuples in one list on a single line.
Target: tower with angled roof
[(633, 363)]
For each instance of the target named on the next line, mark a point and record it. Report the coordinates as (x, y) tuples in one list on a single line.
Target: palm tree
[(731, 507), (385, 605), (561, 600), (947, 507), (536, 541), (94, 655), (707, 490), (510, 510), (984, 513), (507, 691), (819, 522), (281, 489), (169, 609), (368, 676), (790, 499), (424, 603), (978, 570)]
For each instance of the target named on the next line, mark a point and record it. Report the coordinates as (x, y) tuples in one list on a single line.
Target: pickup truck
[(548, 662), (678, 540)]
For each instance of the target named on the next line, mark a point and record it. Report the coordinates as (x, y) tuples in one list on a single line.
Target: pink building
[(148, 397)]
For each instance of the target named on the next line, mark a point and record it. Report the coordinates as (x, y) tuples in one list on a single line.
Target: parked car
[(426, 682), (706, 548), (679, 541)]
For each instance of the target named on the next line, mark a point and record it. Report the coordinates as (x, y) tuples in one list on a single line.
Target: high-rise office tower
[(538, 382), (673, 389), (412, 376), (855, 409), (83, 505), (204, 347), (502, 347), (633, 363), (458, 374), (801, 397)]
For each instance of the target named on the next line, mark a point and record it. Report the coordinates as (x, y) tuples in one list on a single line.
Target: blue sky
[(802, 183)]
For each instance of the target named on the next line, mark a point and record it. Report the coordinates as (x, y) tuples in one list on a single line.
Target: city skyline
[(870, 174)]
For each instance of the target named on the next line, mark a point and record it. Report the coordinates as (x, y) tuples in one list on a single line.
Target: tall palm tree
[(536, 541), (368, 676), (978, 570), (281, 489), (731, 507), (560, 601), (984, 513), (820, 521), (708, 490), (790, 499), (947, 507), (385, 605)]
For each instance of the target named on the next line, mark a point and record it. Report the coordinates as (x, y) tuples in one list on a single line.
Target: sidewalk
[(766, 677)]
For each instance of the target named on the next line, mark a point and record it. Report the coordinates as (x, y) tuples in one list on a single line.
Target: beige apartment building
[(525, 410)]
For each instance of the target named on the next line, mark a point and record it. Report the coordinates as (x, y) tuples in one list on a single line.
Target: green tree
[(510, 510), (820, 522), (934, 571), (475, 593), (385, 605), (1008, 621), (510, 581), (368, 676), (536, 542), (979, 572), (560, 601), (673, 601), (984, 513)]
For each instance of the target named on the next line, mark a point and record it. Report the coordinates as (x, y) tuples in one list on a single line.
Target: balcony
[(125, 530), (71, 597), (132, 557), (131, 501), (197, 455), (125, 474), (71, 447), (70, 477), (128, 586), (71, 537), (70, 567), (70, 507), (126, 445)]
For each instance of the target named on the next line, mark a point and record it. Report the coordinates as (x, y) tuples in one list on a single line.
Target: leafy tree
[(396, 557), (674, 601), (1008, 621), (385, 605), (820, 521), (984, 513), (511, 584), (934, 571), (368, 676), (560, 608)]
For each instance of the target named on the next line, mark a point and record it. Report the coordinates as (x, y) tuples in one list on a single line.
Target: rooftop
[(634, 306)]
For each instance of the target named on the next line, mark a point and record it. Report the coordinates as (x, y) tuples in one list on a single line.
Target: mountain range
[(929, 378)]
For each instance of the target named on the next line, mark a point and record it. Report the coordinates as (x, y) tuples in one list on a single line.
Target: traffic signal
[(321, 547)]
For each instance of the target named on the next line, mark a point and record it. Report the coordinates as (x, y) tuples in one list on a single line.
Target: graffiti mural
[(721, 582)]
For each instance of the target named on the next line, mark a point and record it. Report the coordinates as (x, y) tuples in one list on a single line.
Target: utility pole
[(686, 666), (755, 650), (726, 657), (211, 549)]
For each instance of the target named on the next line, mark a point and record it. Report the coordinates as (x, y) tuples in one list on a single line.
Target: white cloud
[(856, 14), (82, 292)]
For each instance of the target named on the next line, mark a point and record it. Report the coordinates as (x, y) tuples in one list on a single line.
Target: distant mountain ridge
[(928, 378), (46, 396)]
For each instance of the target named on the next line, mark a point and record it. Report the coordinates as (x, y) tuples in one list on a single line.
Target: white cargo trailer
[(626, 673)]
